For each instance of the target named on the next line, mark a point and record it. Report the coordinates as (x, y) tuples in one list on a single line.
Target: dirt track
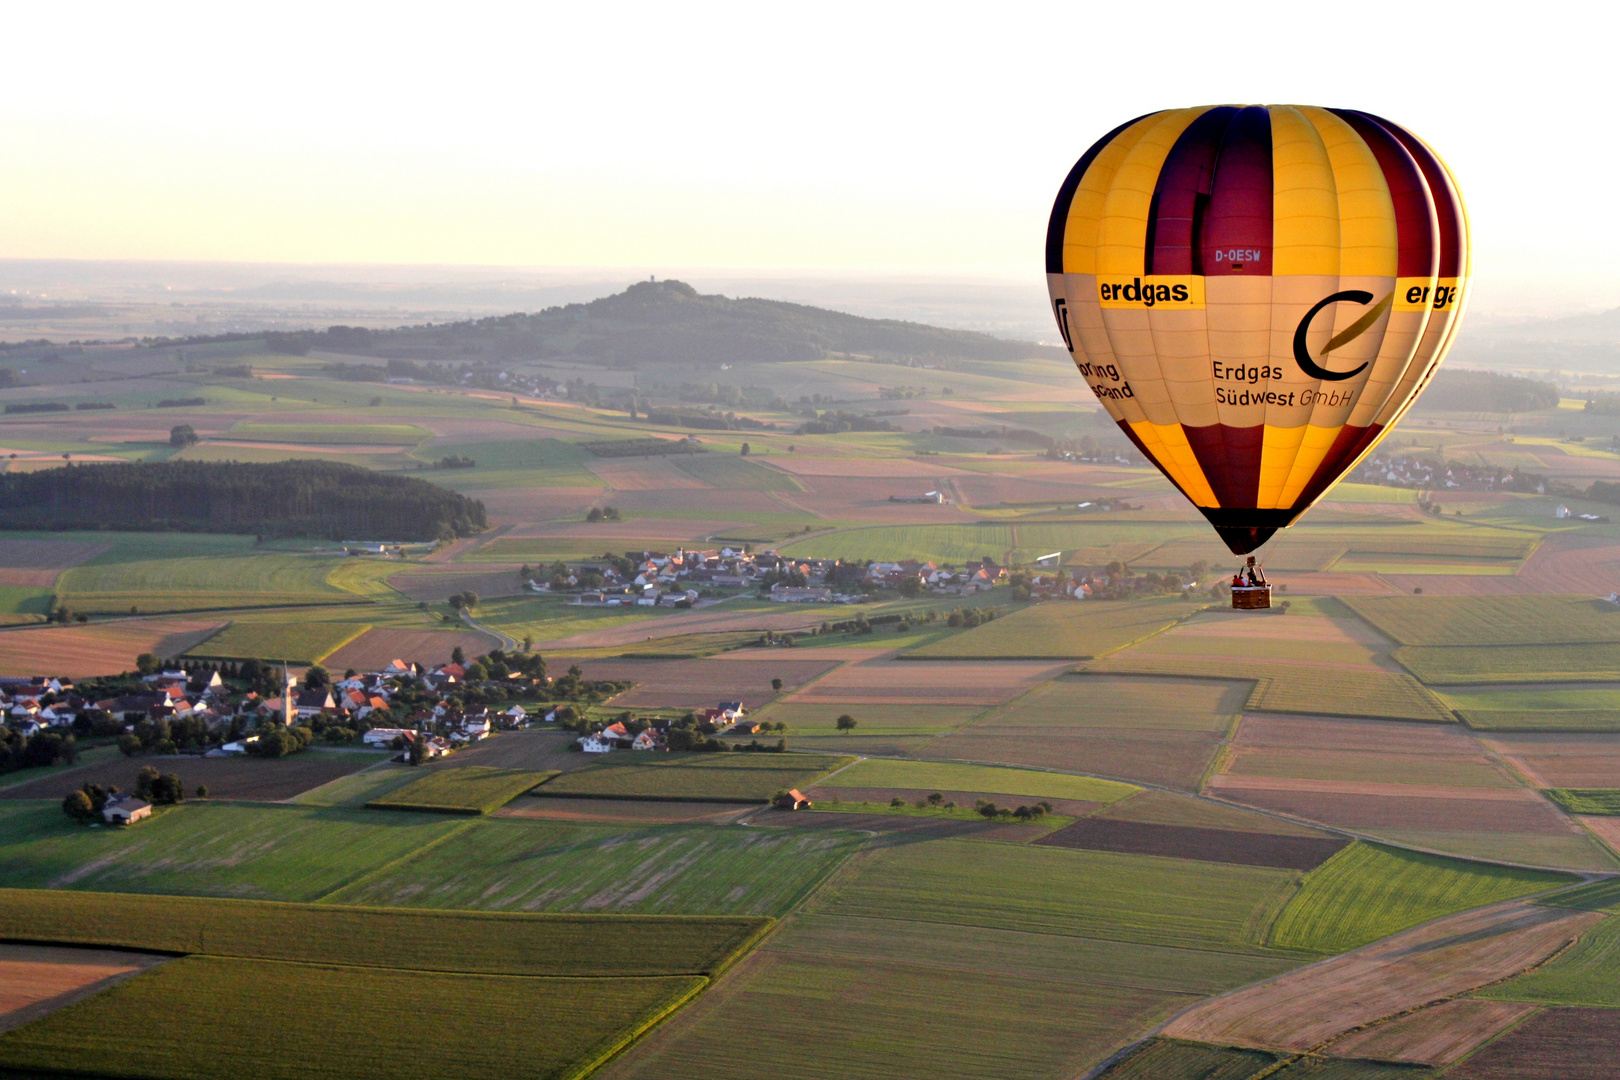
[(1447, 957)]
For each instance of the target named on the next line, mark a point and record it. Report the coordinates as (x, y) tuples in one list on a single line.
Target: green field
[(1490, 620), (1466, 665), (1177, 1059), (395, 937), (1368, 891), (513, 463), (504, 865), (1587, 974), (168, 1022), (1139, 898), (1325, 691), (336, 433), (746, 778), (1058, 631), (546, 618), (298, 643), (480, 976), (1124, 704), (1599, 802), (474, 789), (954, 544), (947, 776), (187, 572), (735, 472), (210, 849), (803, 719), (1562, 708)]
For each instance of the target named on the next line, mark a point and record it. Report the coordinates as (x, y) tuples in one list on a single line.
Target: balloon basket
[(1251, 598)]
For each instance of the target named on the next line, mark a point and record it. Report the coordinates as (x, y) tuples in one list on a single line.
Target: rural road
[(507, 644)]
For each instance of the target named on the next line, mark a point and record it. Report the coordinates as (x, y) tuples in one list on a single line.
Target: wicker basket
[(1251, 597)]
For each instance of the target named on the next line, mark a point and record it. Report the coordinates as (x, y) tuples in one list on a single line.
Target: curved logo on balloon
[(1302, 351)]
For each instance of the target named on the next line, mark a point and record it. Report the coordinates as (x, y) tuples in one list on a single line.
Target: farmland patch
[(888, 682), (1555, 1044), (751, 778), (38, 563), (1491, 620), (939, 775), (740, 676), (376, 647), (258, 779), (732, 471), (1587, 974), (1368, 892), (1437, 1035), (300, 643), (106, 649), (38, 979), (1204, 845), (473, 789), (1483, 664), (1057, 631), (511, 865)]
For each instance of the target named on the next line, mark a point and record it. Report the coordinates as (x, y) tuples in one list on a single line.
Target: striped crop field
[(332, 434), (1058, 631), (1490, 620), (1368, 891), (748, 778), (505, 865), (297, 643), (941, 543), (1468, 665), (472, 789)]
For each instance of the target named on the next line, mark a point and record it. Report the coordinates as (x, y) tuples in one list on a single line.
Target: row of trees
[(310, 498)]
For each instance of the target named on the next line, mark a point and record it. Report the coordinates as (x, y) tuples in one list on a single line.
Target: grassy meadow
[(1058, 631), (474, 789)]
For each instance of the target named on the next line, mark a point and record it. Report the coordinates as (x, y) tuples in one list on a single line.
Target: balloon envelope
[(1256, 294)]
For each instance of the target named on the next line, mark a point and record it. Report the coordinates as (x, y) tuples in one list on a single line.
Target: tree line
[(285, 498)]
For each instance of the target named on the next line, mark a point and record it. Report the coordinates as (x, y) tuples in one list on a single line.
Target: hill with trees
[(657, 323), (285, 498), (1463, 390)]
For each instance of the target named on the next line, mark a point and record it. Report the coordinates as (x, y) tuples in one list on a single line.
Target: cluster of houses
[(39, 703), (728, 717), (672, 578), (942, 580), (1394, 470)]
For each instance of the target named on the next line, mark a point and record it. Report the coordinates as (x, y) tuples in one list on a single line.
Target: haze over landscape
[(569, 543)]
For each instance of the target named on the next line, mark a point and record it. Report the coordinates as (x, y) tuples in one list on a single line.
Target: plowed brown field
[(40, 562), (1437, 1035), (376, 647), (882, 682), (227, 778), (641, 474), (1556, 1044), (101, 649), (37, 979), (1447, 957)]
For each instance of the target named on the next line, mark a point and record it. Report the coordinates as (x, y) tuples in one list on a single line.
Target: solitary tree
[(77, 806), (846, 722), (457, 656), (746, 449), (147, 663), (182, 435), (776, 684)]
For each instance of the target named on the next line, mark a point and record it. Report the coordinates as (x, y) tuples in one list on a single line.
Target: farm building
[(793, 799), (125, 810)]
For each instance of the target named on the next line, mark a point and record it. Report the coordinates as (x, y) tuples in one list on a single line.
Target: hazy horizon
[(857, 144)]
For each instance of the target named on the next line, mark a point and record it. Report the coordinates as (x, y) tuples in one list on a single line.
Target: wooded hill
[(666, 323), (1462, 390), (286, 498)]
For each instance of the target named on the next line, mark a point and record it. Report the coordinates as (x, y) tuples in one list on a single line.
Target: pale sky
[(859, 137)]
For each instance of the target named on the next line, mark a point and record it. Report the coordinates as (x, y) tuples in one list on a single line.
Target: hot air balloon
[(1256, 294)]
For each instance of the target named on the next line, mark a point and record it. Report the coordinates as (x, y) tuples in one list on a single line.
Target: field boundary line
[(362, 879), (624, 1042)]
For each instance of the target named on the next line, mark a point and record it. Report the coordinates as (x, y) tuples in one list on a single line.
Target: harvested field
[(1204, 845), (1442, 959), (1606, 829), (1473, 770), (1121, 704), (1176, 759), (99, 649), (883, 682), (1167, 808), (372, 650), (1555, 1044), (1437, 1035), (428, 583), (40, 562), (39, 979), (1353, 735), (641, 474), (683, 624), (1057, 631), (257, 779), (687, 684), (1368, 891)]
